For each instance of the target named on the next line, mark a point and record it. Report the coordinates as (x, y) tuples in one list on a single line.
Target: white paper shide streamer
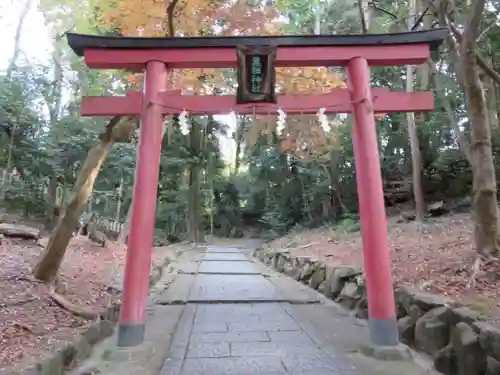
[(184, 123), (323, 120), (280, 124), (234, 118)]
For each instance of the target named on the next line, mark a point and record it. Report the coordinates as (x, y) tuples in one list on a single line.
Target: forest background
[(233, 174)]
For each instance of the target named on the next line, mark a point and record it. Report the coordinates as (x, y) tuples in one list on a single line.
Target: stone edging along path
[(458, 340), (71, 354)]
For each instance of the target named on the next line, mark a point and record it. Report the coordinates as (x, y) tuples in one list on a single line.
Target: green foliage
[(274, 190), (448, 168), (349, 224), (25, 199)]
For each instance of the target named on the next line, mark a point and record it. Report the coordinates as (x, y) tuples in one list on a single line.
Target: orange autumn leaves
[(225, 17), (311, 80), (191, 18), (204, 17), (149, 18), (303, 135)]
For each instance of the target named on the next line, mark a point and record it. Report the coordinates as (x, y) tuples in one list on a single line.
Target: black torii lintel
[(80, 42)]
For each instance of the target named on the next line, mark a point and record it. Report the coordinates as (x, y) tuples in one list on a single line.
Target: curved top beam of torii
[(217, 52), (104, 52)]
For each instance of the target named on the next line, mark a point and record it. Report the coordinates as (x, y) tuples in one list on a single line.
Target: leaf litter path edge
[(31, 323), (436, 257)]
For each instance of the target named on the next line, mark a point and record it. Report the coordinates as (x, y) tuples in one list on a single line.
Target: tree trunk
[(492, 102), (413, 135), (459, 135), (317, 8), (51, 260), (239, 139), (195, 233), (422, 72), (365, 16), (242, 123), (119, 201), (122, 237), (54, 96), (54, 202), (17, 37), (483, 170), (210, 174), (53, 101), (7, 173), (118, 130)]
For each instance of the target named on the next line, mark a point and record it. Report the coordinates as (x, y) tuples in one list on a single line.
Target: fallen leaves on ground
[(31, 324), (436, 256)]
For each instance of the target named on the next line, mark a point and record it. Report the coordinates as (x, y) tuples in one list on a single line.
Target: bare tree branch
[(494, 75), (170, 18), (475, 14), (420, 18), (451, 44), (485, 31), (364, 29), (375, 6), (17, 38)]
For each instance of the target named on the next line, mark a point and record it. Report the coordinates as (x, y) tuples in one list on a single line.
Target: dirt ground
[(31, 324), (437, 257)]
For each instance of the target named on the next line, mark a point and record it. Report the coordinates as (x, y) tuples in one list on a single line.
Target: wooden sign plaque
[(256, 74)]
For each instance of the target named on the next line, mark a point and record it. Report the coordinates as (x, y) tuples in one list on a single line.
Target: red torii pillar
[(142, 219), (377, 261), (356, 52)]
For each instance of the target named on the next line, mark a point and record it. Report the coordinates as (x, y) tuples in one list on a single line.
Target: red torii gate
[(357, 52)]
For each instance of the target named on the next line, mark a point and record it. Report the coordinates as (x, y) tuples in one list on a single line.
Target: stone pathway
[(237, 322), (225, 314)]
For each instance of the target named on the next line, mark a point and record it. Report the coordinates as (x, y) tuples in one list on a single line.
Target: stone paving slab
[(188, 267), (234, 257), (210, 327), (223, 249), (255, 339), (270, 326), (178, 291), (228, 268), (210, 288), (293, 292), (240, 312), (185, 327), (331, 324), (258, 365), (209, 350), (242, 349), (230, 337), (335, 327), (187, 288), (243, 244)]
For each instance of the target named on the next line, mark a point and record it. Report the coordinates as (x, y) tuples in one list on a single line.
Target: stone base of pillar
[(130, 335), (399, 352)]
